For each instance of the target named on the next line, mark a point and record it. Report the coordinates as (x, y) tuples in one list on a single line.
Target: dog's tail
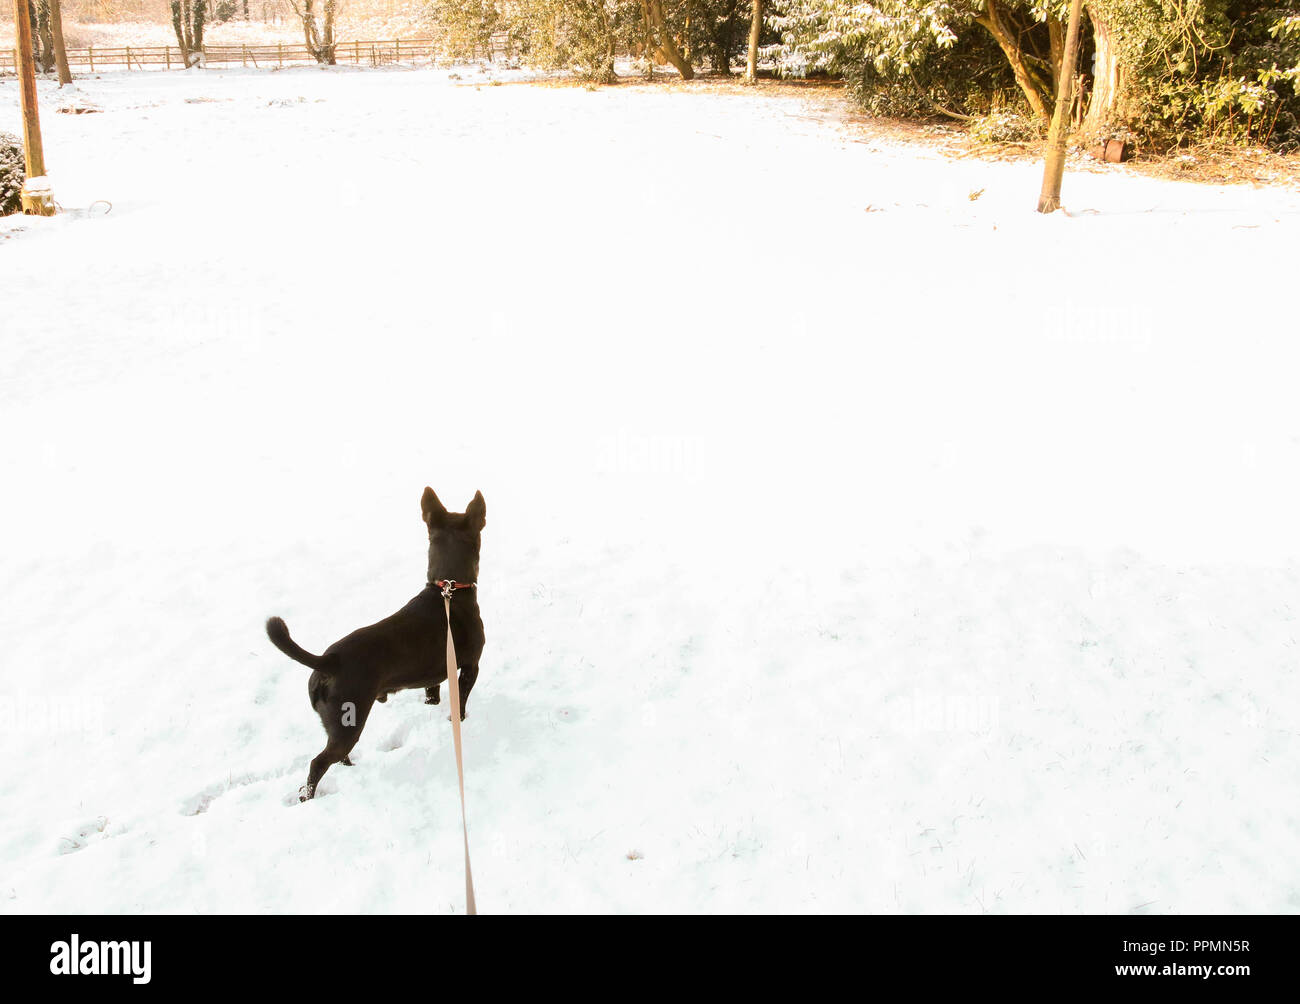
[(278, 632)]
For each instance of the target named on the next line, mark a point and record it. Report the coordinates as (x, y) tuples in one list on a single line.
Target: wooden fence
[(168, 57)]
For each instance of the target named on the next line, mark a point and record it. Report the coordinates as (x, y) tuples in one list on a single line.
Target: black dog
[(408, 649)]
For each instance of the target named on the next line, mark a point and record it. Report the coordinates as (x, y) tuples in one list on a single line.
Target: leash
[(448, 587)]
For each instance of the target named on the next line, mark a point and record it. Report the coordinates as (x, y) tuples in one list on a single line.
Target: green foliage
[(1218, 71), (464, 27), (968, 77), (718, 29), (586, 35), (895, 36), (13, 172), (1189, 70), (583, 35)]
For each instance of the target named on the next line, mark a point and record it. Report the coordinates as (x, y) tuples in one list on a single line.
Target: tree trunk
[(993, 20), (1056, 49), (1105, 103), (654, 13), (44, 37), (721, 60), (188, 17), (331, 8), (1049, 199), (606, 74), (180, 26), (309, 32), (651, 52), (755, 30), (60, 50), (200, 19), (319, 38)]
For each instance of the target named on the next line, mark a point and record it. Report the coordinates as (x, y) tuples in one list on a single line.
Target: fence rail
[(168, 57)]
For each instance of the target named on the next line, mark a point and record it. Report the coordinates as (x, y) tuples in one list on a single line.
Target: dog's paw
[(462, 717), (347, 762), (432, 697), (306, 792)]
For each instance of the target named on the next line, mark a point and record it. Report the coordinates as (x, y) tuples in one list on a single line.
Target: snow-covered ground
[(852, 544)]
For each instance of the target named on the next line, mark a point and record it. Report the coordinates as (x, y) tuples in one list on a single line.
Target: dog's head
[(453, 537)]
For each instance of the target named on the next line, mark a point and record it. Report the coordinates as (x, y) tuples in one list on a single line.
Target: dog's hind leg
[(468, 674), (343, 735), (332, 753)]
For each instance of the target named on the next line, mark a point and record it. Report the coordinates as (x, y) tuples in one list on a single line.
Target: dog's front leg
[(431, 695)]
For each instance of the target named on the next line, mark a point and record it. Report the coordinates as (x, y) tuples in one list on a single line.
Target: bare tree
[(188, 20), (319, 36)]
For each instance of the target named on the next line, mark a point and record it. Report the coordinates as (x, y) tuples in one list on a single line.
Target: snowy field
[(852, 545)]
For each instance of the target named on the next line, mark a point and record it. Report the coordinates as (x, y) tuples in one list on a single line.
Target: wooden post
[(168, 53), (90, 56), (40, 201), (128, 58), (1049, 199), (279, 54)]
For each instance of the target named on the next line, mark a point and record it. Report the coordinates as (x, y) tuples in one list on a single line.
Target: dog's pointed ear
[(431, 509), (476, 512)]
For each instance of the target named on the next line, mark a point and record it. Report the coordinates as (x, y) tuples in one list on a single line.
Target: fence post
[(90, 55), (243, 56), (168, 53), (397, 51), (279, 54), (128, 58)]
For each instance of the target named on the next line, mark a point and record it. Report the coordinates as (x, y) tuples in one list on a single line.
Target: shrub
[(12, 174), (1002, 126), (1229, 75)]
